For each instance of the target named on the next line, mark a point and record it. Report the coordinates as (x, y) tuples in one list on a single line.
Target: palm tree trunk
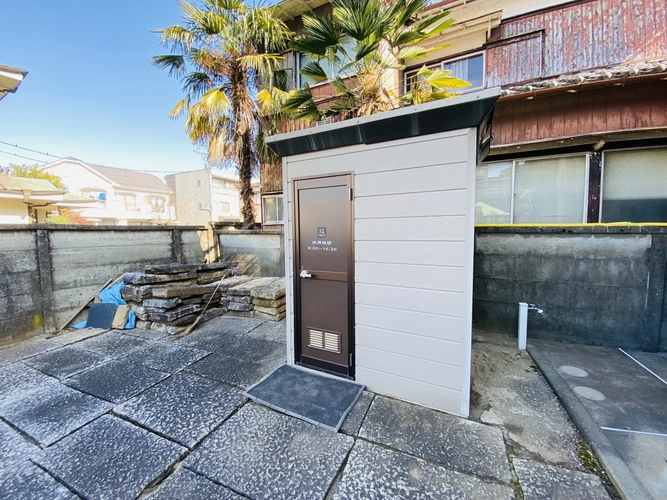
[(245, 177)]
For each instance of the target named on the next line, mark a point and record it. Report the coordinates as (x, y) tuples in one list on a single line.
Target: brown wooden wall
[(639, 106), (582, 35)]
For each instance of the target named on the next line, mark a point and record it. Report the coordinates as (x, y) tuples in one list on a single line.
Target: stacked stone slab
[(168, 298), (240, 299), (269, 300)]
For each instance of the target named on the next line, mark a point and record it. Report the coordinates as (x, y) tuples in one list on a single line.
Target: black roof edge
[(464, 111)]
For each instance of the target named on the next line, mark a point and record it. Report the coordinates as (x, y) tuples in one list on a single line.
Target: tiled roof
[(12, 183), (128, 178), (619, 71)]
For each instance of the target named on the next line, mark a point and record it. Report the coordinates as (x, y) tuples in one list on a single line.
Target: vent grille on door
[(327, 341)]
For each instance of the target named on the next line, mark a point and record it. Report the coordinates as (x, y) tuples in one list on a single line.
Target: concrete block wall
[(48, 272), (596, 285), (258, 252)]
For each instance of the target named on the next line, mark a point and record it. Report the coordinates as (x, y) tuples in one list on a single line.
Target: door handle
[(305, 274)]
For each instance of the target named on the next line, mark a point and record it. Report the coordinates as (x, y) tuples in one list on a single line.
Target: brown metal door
[(323, 273)]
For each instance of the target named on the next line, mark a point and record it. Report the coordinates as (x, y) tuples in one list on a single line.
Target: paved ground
[(623, 396), (134, 414)]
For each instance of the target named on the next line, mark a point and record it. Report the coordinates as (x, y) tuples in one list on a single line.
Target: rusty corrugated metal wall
[(582, 35)]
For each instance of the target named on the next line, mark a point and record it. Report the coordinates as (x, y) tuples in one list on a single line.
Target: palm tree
[(225, 52), (367, 41)]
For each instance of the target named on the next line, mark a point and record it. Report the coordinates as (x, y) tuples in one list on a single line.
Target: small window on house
[(129, 201), (470, 69), (157, 204), (634, 186), (332, 70), (198, 183), (273, 209), (224, 206), (199, 206)]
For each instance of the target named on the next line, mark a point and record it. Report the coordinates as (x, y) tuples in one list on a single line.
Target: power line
[(24, 157), (64, 157), (28, 149)]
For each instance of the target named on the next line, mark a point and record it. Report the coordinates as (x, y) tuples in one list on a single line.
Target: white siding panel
[(412, 180), (448, 279), (447, 228), (384, 157), (411, 299), (428, 325), (411, 205), (430, 253), (414, 391), (408, 367), (415, 346)]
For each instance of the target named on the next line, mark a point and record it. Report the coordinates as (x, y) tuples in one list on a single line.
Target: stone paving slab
[(76, 335), (17, 378), (65, 362), (541, 482), (110, 459), (263, 454), (51, 412), (14, 448), (148, 335), (26, 350), (259, 351), (206, 339), (112, 344), (461, 444), (116, 381), (373, 472), (165, 357), (29, 482), (353, 420), (186, 485), (234, 371), (275, 331), (184, 408)]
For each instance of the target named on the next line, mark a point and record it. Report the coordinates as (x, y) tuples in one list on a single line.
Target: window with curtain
[(493, 193), (470, 69), (550, 190), (546, 191), (634, 186)]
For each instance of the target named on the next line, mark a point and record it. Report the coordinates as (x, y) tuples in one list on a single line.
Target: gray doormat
[(317, 399)]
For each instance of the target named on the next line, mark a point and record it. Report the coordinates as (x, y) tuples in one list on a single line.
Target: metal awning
[(465, 111)]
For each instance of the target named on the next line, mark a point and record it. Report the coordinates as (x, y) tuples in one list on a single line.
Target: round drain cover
[(589, 393), (573, 371)]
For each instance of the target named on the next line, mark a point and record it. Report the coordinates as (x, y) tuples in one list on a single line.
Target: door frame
[(296, 283)]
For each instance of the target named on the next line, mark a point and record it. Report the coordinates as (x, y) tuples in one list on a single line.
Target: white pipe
[(523, 325)]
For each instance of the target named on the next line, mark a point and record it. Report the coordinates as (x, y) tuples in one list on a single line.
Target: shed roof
[(469, 110), (12, 183)]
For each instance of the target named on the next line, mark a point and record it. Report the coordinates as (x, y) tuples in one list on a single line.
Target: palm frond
[(174, 63), (313, 70)]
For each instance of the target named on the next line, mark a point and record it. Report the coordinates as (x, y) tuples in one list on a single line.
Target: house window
[(273, 209), (198, 183), (470, 69), (332, 70), (224, 206), (129, 201), (536, 191), (199, 206), (157, 204), (634, 186)]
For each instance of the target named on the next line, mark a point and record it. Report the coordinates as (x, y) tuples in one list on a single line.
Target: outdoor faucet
[(535, 308)]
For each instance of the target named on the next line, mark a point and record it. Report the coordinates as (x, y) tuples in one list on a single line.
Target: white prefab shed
[(379, 247)]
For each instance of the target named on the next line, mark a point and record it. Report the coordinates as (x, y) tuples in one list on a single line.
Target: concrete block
[(246, 288), (162, 303), (270, 291), (238, 306), (174, 314), (269, 302), (270, 310), (269, 316)]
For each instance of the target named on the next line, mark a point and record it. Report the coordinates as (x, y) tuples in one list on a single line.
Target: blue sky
[(91, 92)]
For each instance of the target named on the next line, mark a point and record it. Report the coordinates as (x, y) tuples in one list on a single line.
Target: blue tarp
[(111, 295)]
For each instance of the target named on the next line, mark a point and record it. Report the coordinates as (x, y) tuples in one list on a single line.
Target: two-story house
[(208, 195), (579, 135), (123, 197)]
